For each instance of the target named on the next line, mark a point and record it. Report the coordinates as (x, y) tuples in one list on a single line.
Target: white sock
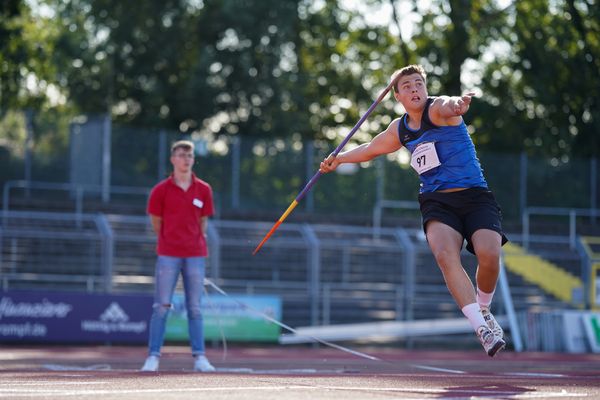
[(484, 299), (473, 314)]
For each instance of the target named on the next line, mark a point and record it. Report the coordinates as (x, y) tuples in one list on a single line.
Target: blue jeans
[(165, 279)]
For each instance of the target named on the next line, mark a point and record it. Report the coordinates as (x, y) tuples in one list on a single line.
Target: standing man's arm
[(204, 225), (156, 223)]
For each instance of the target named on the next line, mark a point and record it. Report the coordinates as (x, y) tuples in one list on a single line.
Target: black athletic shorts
[(466, 211)]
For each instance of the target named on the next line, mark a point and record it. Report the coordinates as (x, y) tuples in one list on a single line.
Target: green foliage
[(544, 86), (298, 69), (25, 68)]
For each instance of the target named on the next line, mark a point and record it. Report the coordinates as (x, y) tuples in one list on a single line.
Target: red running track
[(294, 373)]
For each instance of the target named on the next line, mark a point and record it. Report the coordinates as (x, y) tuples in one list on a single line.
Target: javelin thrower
[(456, 203)]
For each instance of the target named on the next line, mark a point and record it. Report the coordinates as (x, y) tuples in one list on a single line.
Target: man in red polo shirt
[(179, 207)]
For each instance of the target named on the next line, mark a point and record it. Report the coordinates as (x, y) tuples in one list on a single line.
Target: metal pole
[(28, 148), (380, 178), (107, 239), (409, 272), (106, 150), (593, 188), (214, 242), (525, 229), (510, 309), (572, 228), (377, 219), (523, 183), (326, 304), (79, 205), (314, 268), (310, 160), (235, 173), (162, 154)]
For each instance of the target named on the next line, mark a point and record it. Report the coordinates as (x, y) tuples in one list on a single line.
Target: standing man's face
[(412, 91), (182, 160)]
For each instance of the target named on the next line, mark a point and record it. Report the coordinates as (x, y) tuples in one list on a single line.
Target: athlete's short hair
[(408, 70)]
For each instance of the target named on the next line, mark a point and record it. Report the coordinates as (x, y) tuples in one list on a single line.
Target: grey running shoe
[(490, 342), (201, 364), (151, 364), (491, 322)]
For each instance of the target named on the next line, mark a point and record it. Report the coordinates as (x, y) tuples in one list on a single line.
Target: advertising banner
[(591, 323), (236, 317), (41, 316)]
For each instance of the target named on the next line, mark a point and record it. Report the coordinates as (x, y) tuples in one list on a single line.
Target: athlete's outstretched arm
[(451, 106)]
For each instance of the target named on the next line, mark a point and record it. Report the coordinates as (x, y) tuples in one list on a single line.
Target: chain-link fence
[(254, 174)]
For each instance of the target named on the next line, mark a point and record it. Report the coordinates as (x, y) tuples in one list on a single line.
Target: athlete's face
[(412, 92)]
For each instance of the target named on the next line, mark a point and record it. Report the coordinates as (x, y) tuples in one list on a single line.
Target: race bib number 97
[(424, 158)]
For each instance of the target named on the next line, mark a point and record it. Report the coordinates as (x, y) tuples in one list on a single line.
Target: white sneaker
[(490, 342), (491, 322), (151, 364), (202, 364)]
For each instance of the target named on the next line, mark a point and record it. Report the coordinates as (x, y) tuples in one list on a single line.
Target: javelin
[(318, 174)]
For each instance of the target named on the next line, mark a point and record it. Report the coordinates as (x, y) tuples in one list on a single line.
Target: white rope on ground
[(289, 328), (223, 340)]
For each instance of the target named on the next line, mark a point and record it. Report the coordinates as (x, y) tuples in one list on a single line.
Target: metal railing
[(381, 205), (73, 193), (322, 272), (571, 213)]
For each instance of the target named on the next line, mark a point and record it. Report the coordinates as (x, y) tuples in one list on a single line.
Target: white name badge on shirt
[(198, 203), (424, 158)]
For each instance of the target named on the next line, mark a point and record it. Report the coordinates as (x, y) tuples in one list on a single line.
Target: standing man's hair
[(182, 144), (408, 70)]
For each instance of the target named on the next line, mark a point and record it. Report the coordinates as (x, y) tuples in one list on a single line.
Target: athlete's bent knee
[(489, 258), (445, 257)]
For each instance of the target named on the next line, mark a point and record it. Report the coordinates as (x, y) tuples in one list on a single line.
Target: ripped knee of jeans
[(162, 309)]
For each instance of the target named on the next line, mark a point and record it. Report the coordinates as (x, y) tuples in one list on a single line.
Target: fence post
[(523, 183), (572, 228), (326, 304), (510, 309), (409, 272), (593, 188), (162, 155), (214, 242), (28, 147), (310, 160), (380, 179), (525, 229), (377, 210), (314, 268), (235, 172), (79, 205), (106, 158), (107, 238)]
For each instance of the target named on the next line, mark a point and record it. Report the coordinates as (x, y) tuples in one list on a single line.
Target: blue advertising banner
[(38, 316)]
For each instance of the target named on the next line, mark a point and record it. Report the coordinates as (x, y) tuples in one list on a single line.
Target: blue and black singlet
[(459, 166)]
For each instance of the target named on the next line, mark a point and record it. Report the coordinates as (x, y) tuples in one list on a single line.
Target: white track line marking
[(534, 374), (430, 391), (451, 371), (49, 383)]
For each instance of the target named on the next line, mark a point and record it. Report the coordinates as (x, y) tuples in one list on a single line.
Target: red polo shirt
[(180, 233)]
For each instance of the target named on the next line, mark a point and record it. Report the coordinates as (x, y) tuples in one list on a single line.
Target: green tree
[(543, 87), (25, 67)]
